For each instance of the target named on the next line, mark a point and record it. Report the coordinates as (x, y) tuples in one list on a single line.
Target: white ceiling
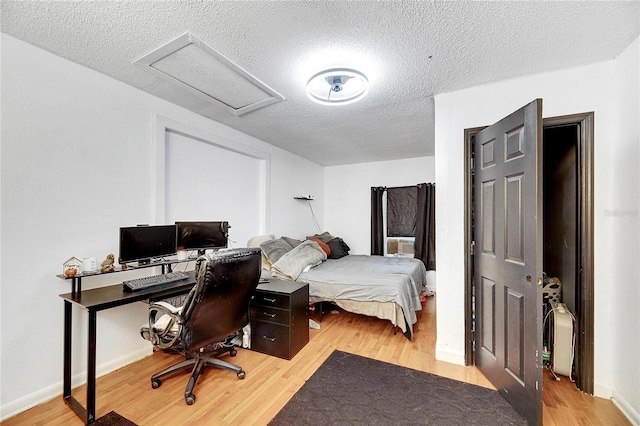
[(408, 50)]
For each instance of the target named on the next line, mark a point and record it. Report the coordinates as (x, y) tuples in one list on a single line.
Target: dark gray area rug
[(349, 389), (113, 419)]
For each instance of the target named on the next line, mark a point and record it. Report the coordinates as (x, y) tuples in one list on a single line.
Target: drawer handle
[(269, 315), (268, 300), (273, 339)]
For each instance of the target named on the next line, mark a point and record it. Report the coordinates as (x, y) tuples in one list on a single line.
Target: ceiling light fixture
[(337, 86)]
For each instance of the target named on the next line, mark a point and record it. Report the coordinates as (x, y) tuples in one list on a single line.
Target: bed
[(385, 287)]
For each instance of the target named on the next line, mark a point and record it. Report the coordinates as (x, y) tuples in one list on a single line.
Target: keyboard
[(154, 280)]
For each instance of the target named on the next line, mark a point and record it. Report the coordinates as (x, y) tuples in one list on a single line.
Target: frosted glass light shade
[(337, 86)]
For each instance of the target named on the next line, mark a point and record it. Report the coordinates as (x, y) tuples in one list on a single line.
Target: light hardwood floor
[(270, 382)]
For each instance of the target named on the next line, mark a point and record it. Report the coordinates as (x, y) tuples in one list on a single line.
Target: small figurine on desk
[(107, 264), (72, 267)]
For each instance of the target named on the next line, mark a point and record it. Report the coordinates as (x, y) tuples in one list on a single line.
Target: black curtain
[(377, 232), (402, 211), (426, 225)]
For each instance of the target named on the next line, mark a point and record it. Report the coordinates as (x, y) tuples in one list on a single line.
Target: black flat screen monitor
[(202, 235), (143, 243)]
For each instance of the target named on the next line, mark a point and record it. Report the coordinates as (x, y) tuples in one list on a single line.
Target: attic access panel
[(190, 63)]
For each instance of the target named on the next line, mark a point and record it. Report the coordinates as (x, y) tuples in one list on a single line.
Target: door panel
[(487, 324), (514, 335), (513, 229), (508, 261)]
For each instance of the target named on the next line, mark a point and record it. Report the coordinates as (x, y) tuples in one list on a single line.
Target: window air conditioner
[(405, 247)]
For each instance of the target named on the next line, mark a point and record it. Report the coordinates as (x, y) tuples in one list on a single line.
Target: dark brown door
[(508, 258)]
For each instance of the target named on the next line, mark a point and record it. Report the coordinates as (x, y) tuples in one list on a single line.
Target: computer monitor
[(202, 235), (144, 243)]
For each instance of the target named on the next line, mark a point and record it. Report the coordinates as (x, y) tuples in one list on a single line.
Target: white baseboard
[(19, 405), (129, 358), (601, 390), (450, 356), (48, 393), (630, 413)]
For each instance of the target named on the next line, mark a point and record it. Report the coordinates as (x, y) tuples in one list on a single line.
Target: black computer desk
[(95, 300)]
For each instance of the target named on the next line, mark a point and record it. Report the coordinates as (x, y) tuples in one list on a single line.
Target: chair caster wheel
[(233, 352), (241, 375), (155, 384), (190, 399)]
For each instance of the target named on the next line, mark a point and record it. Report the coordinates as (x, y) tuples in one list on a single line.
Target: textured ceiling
[(408, 50)]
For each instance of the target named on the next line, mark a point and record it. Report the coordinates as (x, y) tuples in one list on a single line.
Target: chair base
[(198, 363)]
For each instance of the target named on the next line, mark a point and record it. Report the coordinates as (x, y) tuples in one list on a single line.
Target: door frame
[(584, 289)]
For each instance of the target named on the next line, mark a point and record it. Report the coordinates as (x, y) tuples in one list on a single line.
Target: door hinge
[(472, 248), (473, 164)]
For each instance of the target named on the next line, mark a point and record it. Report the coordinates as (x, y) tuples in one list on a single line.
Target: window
[(401, 220)]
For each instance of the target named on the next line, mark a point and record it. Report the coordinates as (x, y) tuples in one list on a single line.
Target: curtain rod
[(384, 188)]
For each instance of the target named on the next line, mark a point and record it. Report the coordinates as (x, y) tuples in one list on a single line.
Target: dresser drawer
[(274, 300), (280, 318), (270, 314), (269, 338)]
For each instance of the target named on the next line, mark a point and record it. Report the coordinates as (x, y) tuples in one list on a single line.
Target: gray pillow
[(292, 241), (338, 248), (325, 237), (275, 249)]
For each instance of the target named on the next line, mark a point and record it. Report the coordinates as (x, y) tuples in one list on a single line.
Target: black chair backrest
[(218, 305)]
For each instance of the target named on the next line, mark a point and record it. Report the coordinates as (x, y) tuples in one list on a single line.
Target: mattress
[(387, 281)]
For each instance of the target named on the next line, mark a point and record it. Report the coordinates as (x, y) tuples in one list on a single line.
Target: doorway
[(567, 151)]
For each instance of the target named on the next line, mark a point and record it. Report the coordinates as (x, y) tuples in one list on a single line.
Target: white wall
[(623, 220), (77, 163), (600, 88), (200, 184), (348, 194), (348, 197)]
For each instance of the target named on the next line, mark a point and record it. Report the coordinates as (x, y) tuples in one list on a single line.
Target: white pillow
[(259, 239), (255, 242)]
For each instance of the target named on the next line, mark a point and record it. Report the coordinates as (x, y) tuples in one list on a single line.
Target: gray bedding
[(291, 264), (370, 279)]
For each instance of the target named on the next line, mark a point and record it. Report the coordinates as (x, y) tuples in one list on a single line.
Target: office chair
[(216, 309)]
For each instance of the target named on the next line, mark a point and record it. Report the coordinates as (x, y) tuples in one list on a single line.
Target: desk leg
[(88, 415), (91, 369), (66, 391)]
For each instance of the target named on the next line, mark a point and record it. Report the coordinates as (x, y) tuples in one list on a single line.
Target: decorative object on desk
[(90, 265), (107, 264), (182, 255), (71, 267)]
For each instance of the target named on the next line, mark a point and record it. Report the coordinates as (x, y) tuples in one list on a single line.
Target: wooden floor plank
[(222, 399)]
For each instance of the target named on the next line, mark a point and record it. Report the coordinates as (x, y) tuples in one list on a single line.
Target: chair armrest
[(168, 308), (165, 324)]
